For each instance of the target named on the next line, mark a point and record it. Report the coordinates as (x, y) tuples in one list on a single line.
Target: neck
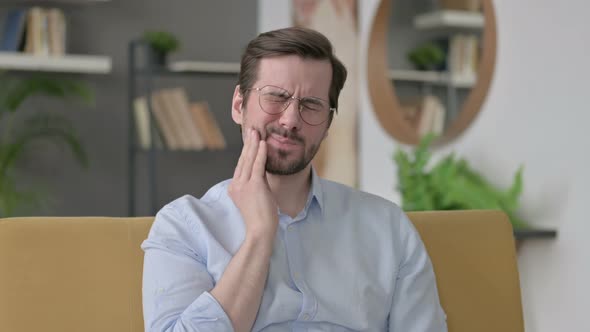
[(291, 191)]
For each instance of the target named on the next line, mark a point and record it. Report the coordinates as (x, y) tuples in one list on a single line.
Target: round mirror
[(430, 65)]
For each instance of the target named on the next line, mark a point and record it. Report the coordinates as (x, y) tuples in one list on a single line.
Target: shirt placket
[(293, 248)]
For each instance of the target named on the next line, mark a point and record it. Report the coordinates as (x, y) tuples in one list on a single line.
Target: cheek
[(320, 135), (260, 122)]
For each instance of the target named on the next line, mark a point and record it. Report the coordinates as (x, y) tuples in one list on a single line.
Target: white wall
[(537, 114), (274, 14)]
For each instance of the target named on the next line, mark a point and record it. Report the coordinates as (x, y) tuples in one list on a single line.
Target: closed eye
[(312, 105), (276, 98)]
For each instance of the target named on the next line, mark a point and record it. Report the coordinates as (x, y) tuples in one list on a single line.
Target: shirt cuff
[(206, 314)]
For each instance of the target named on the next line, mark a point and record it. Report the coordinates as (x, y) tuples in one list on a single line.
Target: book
[(165, 121), (179, 109), (213, 125), (45, 32), (13, 36), (205, 121), (411, 111), (36, 36), (142, 125), (463, 58), (432, 117), (56, 26)]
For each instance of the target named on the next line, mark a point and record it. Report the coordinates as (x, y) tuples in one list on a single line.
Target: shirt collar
[(315, 193), (316, 190)]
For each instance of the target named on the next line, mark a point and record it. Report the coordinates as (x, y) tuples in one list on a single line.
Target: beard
[(282, 162), (278, 160)]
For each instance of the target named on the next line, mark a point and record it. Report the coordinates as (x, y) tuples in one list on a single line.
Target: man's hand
[(250, 191), (239, 290)]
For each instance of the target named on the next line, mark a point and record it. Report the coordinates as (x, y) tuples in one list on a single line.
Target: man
[(276, 248)]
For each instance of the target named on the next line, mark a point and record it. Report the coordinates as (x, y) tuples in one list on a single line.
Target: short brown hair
[(303, 42)]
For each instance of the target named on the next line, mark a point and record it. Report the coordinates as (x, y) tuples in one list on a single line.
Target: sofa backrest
[(71, 274), (474, 258), (84, 274)]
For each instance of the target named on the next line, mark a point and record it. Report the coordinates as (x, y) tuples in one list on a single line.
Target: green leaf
[(451, 184), (14, 201), (16, 91), (16, 138), (41, 126), (162, 41)]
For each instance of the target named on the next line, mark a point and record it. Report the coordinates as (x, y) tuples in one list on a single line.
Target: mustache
[(284, 133)]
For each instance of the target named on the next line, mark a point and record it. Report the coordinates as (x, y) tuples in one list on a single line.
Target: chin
[(282, 165)]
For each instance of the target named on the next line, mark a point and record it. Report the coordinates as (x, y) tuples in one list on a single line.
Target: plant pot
[(157, 58)]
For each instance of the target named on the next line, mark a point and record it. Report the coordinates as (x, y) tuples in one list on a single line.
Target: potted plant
[(428, 56), (451, 184), (161, 43), (19, 133)]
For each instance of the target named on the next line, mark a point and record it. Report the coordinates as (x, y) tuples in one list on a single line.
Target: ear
[(237, 106)]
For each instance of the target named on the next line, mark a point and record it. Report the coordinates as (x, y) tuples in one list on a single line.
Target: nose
[(290, 118)]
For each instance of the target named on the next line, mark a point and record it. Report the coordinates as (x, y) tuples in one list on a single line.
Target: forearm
[(239, 290)]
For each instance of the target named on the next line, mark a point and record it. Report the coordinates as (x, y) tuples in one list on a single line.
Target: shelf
[(50, 2), (432, 77), (449, 19), (89, 64), (521, 234), (229, 149), (205, 67), (189, 68)]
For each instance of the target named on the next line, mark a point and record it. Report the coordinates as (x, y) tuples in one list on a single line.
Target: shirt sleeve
[(176, 282), (416, 305)]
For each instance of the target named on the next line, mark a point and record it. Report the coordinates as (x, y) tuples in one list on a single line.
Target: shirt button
[(290, 228), (305, 317)]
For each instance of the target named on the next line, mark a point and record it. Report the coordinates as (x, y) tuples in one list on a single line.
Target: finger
[(238, 170), (250, 155), (240, 165), (259, 168)]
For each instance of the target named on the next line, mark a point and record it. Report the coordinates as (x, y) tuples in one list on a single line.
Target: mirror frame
[(382, 91)]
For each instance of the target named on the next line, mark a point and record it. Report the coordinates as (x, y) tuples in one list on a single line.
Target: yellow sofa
[(84, 274)]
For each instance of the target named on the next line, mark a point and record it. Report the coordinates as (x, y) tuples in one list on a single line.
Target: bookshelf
[(401, 95), (148, 72), (34, 38), (86, 64), (460, 73)]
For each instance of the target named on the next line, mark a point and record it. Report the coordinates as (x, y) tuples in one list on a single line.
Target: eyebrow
[(290, 94), (312, 99)]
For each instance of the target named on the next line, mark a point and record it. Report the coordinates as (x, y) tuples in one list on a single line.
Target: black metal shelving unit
[(148, 72)]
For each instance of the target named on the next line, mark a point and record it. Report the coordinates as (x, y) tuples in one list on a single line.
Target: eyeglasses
[(274, 100)]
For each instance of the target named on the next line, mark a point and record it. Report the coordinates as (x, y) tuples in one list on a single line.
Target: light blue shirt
[(350, 261)]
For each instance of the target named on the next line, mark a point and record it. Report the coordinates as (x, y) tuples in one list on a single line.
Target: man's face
[(291, 142)]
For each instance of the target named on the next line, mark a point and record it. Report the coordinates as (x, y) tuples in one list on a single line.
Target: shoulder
[(337, 194), (189, 207), (190, 224), (374, 213), (189, 215)]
